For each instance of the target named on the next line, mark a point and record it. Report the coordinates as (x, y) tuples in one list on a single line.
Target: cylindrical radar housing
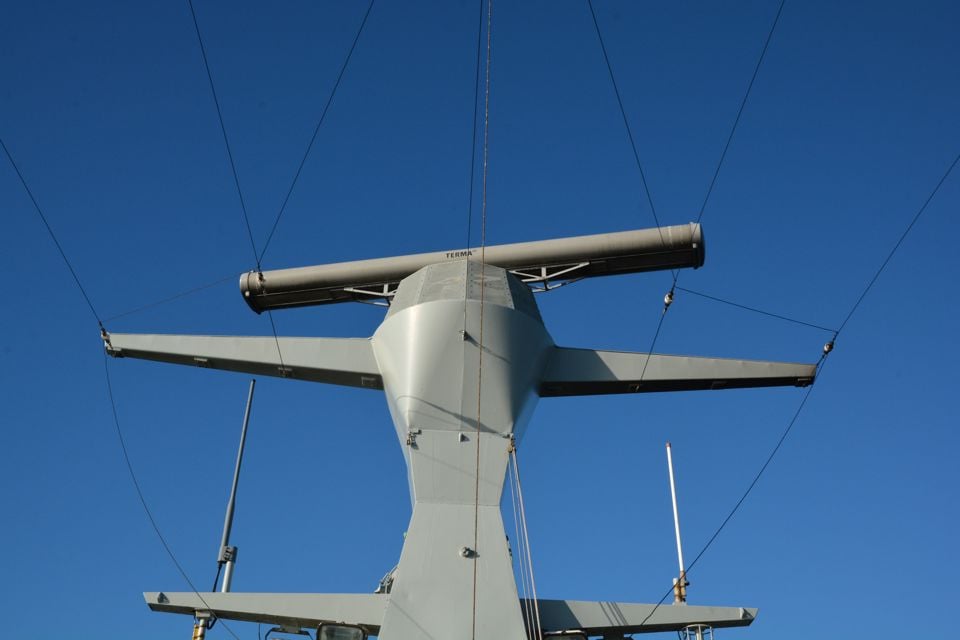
[(602, 254)]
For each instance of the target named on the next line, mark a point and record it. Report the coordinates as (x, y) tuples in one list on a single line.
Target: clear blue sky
[(853, 119)]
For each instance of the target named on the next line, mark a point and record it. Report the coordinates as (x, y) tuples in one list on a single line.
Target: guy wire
[(483, 249)]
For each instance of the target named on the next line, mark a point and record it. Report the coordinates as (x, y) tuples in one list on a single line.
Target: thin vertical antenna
[(679, 584), (228, 554)]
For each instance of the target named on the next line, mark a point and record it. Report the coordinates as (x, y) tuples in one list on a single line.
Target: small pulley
[(667, 300)]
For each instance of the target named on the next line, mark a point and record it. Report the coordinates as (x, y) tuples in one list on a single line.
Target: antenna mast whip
[(679, 584), (228, 554)]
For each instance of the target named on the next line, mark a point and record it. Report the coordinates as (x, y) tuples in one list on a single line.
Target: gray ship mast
[(462, 357)]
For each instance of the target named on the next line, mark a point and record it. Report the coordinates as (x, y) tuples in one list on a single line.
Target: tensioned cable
[(653, 343), (283, 206), (626, 121), (527, 611), (223, 130), (236, 177), (829, 345), (733, 128), (746, 493), (820, 365), (537, 626), (36, 207), (519, 544), (483, 250), (113, 405), (276, 340), (900, 241), (626, 124), (143, 500), (853, 309), (636, 157), (473, 138), (676, 273), (473, 153), (316, 130), (175, 296), (755, 310), (743, 103)]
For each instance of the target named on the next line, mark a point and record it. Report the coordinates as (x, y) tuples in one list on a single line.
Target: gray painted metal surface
[(461, 378), (575, 372), (367, 610), (602, 618), (227, 557), (308, 610), (595, 255), (345, 361), (291, 609)]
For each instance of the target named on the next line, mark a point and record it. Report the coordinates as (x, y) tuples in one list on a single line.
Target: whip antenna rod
[(228, 554), (679, 584)]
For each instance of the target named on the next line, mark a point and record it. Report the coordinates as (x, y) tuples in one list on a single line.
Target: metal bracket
[(204, 620), (544, 276), (227, 554), (385, 292), (386, 582), (289, 630), (110, 349)]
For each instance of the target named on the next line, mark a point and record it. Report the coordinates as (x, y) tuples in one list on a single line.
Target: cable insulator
[(827, 348), (667, 300)]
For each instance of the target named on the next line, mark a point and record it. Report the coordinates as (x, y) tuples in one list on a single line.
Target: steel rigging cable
[(755, 310), (113, 404), (53, 236), (743, 103), (827, 349), (626, 121), (223, 130), (483, 249), (296, 177), (286, 199), (236, 178), (473, 147), (316, 130), (668, 299), (176, 296)]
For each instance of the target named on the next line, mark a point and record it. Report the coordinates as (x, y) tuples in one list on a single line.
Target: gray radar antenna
[(425, 358)]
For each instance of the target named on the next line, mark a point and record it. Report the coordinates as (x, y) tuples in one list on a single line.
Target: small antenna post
[(227, 557), (680, 584)]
